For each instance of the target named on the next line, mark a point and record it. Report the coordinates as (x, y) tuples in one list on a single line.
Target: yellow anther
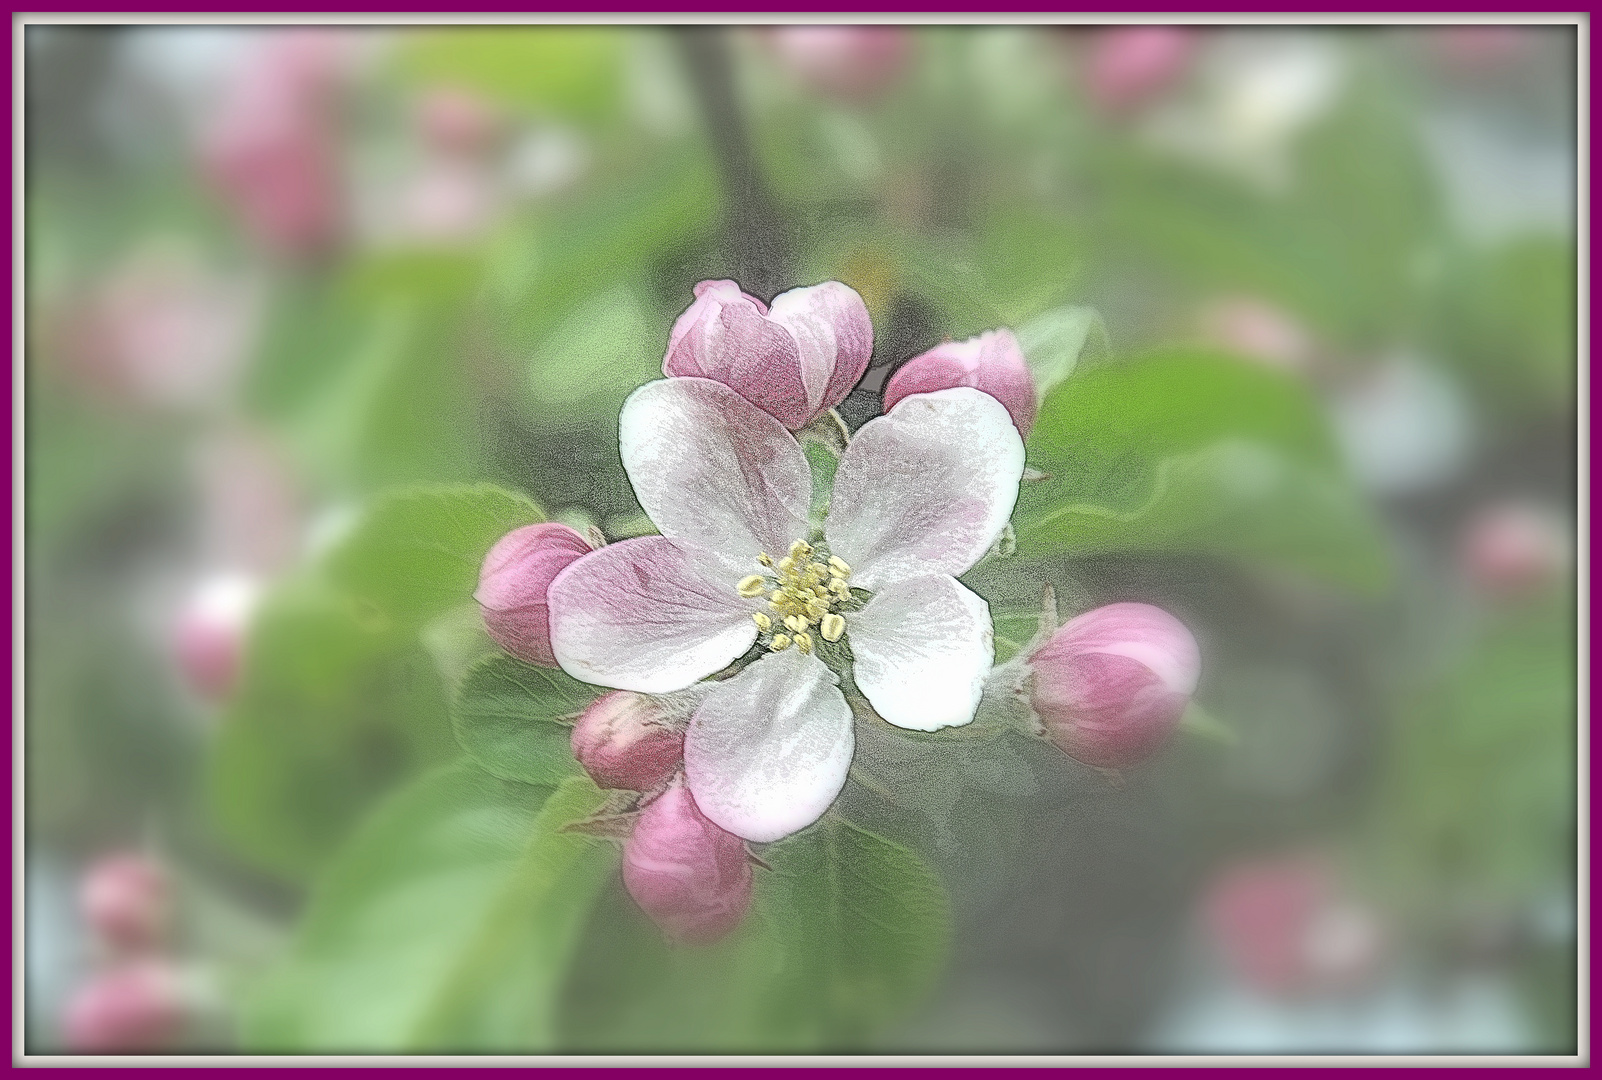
[(832, 627), (786, 564), (800, 549), (817, 609), (841, 589), (775, 605), (751, 585), (804, 642), (780, 643), (839, 567), (796, 623), (762, 621), (765, 559)]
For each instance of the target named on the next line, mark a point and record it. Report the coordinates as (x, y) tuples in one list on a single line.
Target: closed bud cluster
[(795, 361), (126, 901)]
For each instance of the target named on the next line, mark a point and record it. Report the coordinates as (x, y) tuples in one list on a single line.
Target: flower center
[(805, 590)]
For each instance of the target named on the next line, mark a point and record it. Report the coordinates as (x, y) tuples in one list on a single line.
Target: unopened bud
[(794, 361), (209, 638), (629, 741), (133, 1008), (1511, 549), (992, 362), (692, 878), (512, 584), (126, 900), (1131, 65), (855, 64), (1109, 686)]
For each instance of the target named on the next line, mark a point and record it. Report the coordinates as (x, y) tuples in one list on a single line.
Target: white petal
[(650, 614), (709, 466), (923, 647), (925, 489), (767, 751)]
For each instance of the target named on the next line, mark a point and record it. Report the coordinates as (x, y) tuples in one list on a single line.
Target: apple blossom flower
[(855, 64), (1285, 927), (992, 362), (512, 585), (692, 878), (1509, 549), (272, 146), (795, 361), (919, 496), (137, 1007), (1130, 65), (1110, 685), (126, 900), (209, 637), (628, 741)]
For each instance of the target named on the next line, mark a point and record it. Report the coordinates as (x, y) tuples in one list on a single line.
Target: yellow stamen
[(762, 621), (804, 642), (832, 627), (796, 623), (780, 643), (839, 567), (817, 609), (765, 559), (841, 589), (786, 564), (751, 585)]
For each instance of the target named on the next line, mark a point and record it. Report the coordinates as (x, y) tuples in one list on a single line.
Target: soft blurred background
[(273, 272)]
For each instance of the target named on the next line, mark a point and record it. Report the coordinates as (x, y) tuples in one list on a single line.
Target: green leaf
[(447, 925), (574, 72), (603, 350), (1190, 451), (333, 710), (846, 935), (506, 717), (416, 552)]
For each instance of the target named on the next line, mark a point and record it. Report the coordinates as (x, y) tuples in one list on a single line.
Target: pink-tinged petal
[(710, 467), (925, 489), (922, 649), (767, 751), (126, 899), (651, 614), (692, 878), (830, 325), (993, 362)]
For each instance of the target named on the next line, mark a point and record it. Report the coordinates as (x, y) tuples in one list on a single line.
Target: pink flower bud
[(126, 900), (855, 64), (456, 122), (1110, 685), (512, 584), (795, 361), (692, 878), (1284, 928), (133, 1008), (209, 638), (1511, 549), (1130, 65), (625, 740), (992, 362), (272, 147), (1257, 330)]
